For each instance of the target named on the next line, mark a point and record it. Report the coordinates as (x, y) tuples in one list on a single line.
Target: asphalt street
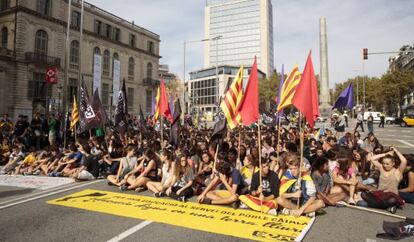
[(25, 215)]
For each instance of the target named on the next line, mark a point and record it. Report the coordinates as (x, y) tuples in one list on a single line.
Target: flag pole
[(260, 161), (238, 149), (278, 138), (299, 180), (215, 158), (162, 132)]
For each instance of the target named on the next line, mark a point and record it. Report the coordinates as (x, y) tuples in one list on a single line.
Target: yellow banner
[(214, 219)]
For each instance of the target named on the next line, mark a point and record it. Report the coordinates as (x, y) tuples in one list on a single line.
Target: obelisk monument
[(324, 97)]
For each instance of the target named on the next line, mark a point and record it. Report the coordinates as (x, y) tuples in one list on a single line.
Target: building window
[(4, 4), (150, 47), (131, 67), (117, 34), (43, 7), (41, 42), (76, 19), (4, 37), (132, 40), (108, 31), (98, 27), (130, 97), (105, 94), (105, 65), (96, 50), (149, 71), (148, 101), (38, 89), (73, 89), (74, 54)]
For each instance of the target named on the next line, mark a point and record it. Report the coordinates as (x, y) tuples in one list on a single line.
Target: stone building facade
[(33, 38)]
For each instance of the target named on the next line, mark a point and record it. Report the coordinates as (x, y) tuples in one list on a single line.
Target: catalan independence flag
[(289, 88), (232, 100), (75, 115)]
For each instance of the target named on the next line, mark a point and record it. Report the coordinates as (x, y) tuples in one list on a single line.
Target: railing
[(150, 82), (42, 59), (7, 52)]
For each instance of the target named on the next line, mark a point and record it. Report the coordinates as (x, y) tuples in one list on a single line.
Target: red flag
[(51, 75), (249, 107), (306, 96), (164, 107)]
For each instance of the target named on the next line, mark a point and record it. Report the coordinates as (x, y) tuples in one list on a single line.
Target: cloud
[(379, 25)]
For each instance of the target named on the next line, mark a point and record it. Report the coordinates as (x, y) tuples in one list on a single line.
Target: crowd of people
[(232, 170)]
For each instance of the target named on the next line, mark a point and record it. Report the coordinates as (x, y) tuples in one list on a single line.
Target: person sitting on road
[(231, 182), (50, 162), (89, 168), (250, 167), (27, 165), (16, 156), (126, 165), (205, 169), (329, 143), (182, 180), (289, 194), (323, 183), (262, 196), (406, 187), (344, 176), (168, 169), (68, 163), (386, 197), (143, 173)]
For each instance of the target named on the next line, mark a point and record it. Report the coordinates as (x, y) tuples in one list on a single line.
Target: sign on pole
[(116, 81), (97, 72)]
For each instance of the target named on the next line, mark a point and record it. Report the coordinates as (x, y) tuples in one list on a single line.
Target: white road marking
[(47, 194), (406, 143), (130, 231), (41, 192)]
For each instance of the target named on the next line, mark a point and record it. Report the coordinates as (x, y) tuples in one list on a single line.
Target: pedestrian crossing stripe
[(214, 219)]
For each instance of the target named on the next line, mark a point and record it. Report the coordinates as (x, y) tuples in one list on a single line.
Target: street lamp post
[(357, 86), (59, 89), (184, 53), (217, 79)]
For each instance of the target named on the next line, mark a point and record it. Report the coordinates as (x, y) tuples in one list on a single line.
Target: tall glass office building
[(246, 30)]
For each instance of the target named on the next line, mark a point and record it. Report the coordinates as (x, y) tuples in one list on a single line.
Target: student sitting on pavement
[(68, 163), (182, 180), (231, 182), (323, 183), (289, 194), (126, 165), (263, 196), (386, 197), (15, 158), (143, 173), (26, 166), (168, 169)]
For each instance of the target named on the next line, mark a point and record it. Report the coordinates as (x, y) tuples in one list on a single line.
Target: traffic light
[(365, 53)]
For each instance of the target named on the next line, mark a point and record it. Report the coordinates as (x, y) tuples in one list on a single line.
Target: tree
[(174, 88), (269, 87)]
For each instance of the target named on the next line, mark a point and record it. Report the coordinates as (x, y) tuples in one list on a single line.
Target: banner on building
[(97, 73), (116, 81)]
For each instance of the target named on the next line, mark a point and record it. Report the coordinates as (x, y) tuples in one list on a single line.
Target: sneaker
[(272, 212), (123, 188), (140, 189), (157, 194), (181, 199), (36, 173), (243, 206), (310, 215), (392, 209), (286, 211), (206, 201), (235, 205)]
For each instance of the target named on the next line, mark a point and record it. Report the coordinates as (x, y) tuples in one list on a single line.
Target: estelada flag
[(249, 106), (51, 76), (288, 88), (75, 115), (232, 100), (306, 95)]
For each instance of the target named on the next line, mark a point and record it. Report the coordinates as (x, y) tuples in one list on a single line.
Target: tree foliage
[(385, 94)]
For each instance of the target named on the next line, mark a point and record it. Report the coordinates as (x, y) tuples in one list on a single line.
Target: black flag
[(87, 115), (220, 125), (98, 108), (121, 111), (175, 126)]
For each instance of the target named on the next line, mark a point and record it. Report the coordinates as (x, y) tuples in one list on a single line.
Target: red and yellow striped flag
[(157, 105), (289, 88), (75, 115), (232, 100)]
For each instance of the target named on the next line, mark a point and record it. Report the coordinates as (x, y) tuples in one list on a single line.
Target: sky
[(379, 25)]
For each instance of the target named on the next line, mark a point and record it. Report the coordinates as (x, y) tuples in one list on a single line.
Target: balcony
[(150, 82), (7, 53), (38, 58)]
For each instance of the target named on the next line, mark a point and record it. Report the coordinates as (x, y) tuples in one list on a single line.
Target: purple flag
[(345, 99), (153, 105)]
